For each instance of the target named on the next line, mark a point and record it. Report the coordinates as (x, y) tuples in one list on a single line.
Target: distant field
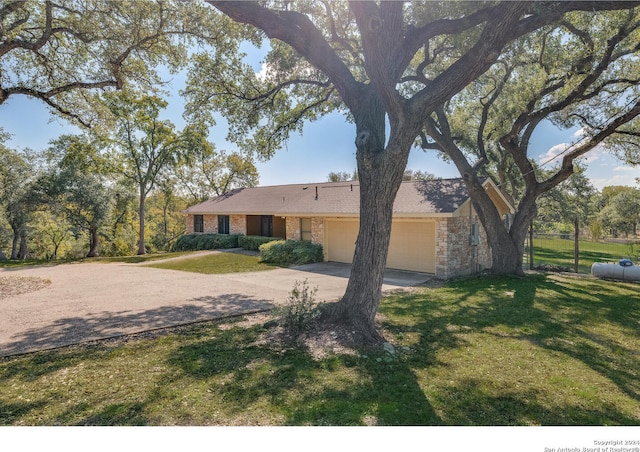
[(556, 251)]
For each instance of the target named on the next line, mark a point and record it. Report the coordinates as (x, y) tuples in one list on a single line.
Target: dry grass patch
[(11, 286)]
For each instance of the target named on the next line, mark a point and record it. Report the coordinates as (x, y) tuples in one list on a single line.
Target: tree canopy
[(61, 51), (389, 65), (581, 71), (143, 145)]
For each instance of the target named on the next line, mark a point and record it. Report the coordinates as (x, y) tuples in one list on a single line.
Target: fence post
[(576, 246), (531, 246)]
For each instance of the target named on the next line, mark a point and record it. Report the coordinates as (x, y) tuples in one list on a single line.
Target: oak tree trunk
[(507, 245), (380, 171), (93, 242), (23, 252), (15, 243)]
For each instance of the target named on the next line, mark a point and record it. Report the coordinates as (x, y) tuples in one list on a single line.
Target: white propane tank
[(624, 270)]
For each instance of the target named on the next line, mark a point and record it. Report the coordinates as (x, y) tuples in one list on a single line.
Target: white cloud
[(553, 152), (626, 168), (618, 179), (580, 133), (552, 155), (265, 72), (597, 153)]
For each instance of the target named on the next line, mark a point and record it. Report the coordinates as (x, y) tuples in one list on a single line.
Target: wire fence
[(568, 252)]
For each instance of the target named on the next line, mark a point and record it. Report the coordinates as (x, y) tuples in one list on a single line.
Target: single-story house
[(435, 228)]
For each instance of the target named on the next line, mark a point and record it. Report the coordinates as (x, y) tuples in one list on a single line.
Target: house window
[(305, 229), (223, 224), (198, 223)]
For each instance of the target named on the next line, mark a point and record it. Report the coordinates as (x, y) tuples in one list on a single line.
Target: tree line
[(613, 212), (92, 193)]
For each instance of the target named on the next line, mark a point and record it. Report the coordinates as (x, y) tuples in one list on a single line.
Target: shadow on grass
[(336, 390), (235, 371), (541, 310), (469, 403)]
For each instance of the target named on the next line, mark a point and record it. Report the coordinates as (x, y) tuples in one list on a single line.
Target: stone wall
[(317, 229), (455, 256), (293, 228)]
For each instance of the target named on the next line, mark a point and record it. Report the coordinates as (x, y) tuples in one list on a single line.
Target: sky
[(326, 145)]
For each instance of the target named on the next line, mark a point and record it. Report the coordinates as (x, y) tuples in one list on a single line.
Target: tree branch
[(299, 32)]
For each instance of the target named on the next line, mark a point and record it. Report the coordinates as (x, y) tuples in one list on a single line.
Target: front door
[(266, 226)]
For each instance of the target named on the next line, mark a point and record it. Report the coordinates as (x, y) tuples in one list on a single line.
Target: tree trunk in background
[(23, 253), (93, 242), (14, 245), (141, 246)]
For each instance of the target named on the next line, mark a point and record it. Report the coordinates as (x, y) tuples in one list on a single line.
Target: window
[(198, 223), (305, 229), (223, 224)]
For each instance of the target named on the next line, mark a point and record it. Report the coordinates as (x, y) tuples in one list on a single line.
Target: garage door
[(412, 244), (341, 238)]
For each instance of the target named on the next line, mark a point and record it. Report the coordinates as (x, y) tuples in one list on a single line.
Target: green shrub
[(193, 242), (300, 310), (185, 243), (307, 253), (253, 242), (291, 252)]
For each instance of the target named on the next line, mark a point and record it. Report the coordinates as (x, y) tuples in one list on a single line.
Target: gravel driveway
[(90, 301)]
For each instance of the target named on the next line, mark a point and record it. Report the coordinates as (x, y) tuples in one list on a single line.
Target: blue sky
[(324, 146)]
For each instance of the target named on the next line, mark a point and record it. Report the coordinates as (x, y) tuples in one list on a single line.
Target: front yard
[(549, 350)]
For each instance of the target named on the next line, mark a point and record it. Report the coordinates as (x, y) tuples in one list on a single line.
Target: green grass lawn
[(560, 252), (550, 350), (217, 263), (107, 259)]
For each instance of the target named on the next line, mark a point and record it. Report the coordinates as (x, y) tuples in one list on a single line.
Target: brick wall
[(188, 221), (238, 224), (210, 223)]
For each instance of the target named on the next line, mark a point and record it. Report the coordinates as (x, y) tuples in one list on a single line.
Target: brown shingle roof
[(423, 198)]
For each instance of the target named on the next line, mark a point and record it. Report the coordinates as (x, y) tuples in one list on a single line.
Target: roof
[(415, 198)]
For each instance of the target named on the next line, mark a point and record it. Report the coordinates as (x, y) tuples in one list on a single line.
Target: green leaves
[(55, 51)]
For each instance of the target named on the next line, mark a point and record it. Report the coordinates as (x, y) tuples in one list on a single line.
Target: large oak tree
[(581, 72), (387, 65)]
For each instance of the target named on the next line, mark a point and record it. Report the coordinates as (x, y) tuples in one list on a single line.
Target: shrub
[(253, 242), (291, 252), (300, 310), (192, 242)]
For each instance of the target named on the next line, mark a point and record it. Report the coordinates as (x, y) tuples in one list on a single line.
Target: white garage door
[(412, 244), (341, 238)]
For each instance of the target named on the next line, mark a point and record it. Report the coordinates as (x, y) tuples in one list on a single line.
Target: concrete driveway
[(90, 301)]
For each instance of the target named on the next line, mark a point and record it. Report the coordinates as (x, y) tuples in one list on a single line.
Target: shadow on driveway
[(104, 325)]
